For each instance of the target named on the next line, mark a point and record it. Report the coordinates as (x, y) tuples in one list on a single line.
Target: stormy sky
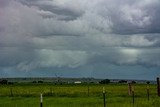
[(115, 39)]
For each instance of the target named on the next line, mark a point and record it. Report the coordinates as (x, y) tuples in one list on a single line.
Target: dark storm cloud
[(67, 13), (43, 34), (128, 57), (132, 16), (62, 12)]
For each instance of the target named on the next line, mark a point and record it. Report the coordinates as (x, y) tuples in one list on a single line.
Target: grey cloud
[(122, 17), (127, 56), (60, 12), (4, 3), (43, 58), (37, 34), (133, 18), (63, 13)]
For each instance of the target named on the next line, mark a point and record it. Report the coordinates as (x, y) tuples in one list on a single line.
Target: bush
[(4, 82), (148, 82), (122, 81), (34, 81), (133, 82), (106, 81), (10, 83), (40, 81)]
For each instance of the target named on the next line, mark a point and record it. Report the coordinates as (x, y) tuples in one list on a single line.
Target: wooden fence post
[(133, 94), (104, 97), (41, 100), (148, 90), (129, 89), (158, 87)]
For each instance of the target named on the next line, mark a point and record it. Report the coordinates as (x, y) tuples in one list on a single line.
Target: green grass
[(27, 95)]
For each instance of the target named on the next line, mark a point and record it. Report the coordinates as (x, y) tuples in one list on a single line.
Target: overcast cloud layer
[(76, 37)]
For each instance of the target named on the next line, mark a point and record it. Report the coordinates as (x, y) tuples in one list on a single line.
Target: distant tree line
[(107, 81)]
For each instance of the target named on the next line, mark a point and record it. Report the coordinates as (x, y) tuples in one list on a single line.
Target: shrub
[(122, 81), (40, 81), (4, 82), (133, 82), (105, 81)]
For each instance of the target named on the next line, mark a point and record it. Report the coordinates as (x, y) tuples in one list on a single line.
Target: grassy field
[(27, 95)]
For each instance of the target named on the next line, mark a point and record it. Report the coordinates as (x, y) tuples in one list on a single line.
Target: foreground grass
[(27, 95)]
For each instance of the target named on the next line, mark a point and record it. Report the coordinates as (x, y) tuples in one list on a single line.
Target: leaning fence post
[(133, 94), (158, 87), (41, 100), (104, 97), (148, 90), (129, 89)]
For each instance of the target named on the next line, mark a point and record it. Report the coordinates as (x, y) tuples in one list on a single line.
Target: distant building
[(77, 82)]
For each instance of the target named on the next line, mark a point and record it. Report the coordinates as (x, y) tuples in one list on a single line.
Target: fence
[(105, 95)]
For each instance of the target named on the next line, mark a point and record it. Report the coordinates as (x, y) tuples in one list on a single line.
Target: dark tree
[(133, 82), (105, 81), (4, 82), (147, 82), (122, 81), (40, 81)]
